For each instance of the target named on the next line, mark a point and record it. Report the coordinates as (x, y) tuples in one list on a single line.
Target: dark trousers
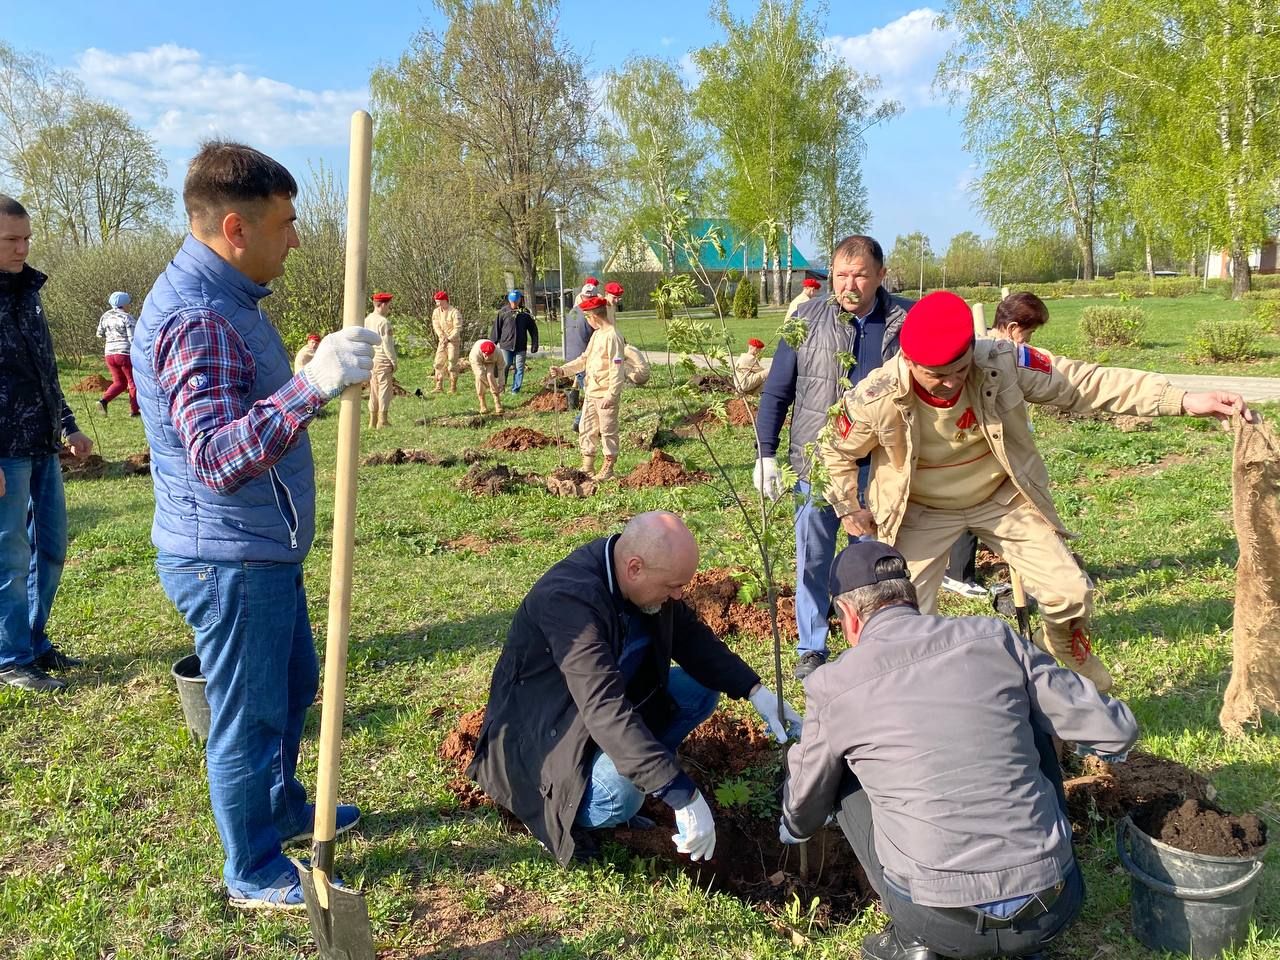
[(963, 564), (945, 931)]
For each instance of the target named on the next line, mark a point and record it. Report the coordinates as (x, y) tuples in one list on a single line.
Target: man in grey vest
[(858, 322), (234, 481)]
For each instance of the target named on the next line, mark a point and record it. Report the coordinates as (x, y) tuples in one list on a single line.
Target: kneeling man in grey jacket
[(930, 740)]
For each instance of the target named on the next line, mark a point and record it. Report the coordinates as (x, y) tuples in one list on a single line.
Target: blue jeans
[(611, 798), (259, 661), (816, 529), (33, 550), (515, 360)]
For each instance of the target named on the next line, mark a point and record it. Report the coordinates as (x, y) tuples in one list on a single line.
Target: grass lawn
[(108, 849), (1170, 325)]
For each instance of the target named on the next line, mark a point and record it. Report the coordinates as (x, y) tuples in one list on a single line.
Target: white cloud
[(690, 71), (667, 41), (181, 98), (904, 53)]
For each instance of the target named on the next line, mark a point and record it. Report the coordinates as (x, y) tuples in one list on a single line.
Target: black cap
[(855, 566)]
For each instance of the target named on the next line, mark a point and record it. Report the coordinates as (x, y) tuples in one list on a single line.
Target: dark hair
[(859, 246), (887, 593), (10, 207), (1025, 309), (224, 175)]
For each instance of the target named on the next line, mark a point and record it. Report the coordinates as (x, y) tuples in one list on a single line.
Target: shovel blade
[(341, 930)]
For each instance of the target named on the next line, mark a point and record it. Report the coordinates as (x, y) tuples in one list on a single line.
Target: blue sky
[(285, 76)]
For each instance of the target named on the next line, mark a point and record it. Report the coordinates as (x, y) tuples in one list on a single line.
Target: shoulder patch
[(877, 385), (843, 425), (1033, 359)]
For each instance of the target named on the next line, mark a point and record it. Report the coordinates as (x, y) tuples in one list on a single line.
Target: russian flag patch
[(843, 425), (1034, 359)]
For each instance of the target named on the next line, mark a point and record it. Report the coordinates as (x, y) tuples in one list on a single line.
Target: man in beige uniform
[(446, 322), (613, 296), (748, 371), (488, 367), (307, 353), (384, 361), (946, 425), (808, 290), (602, 365)]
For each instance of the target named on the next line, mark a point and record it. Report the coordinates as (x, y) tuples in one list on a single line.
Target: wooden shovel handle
[(344, 497), (1019, 593)]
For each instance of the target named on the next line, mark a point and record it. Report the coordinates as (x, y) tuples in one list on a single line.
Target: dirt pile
[(137, 464), (570, 482), (713, 594), (93, 383), (1200, 827), (691, 423), (92, 467), (548, 401), (1107, 791), (741, 413), (399, 455), (397, 390), (661, 470), (514, 439), (710, 383), (490, 481), (457, 750)]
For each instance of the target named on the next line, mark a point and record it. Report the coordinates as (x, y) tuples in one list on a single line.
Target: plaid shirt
[(207, 371)]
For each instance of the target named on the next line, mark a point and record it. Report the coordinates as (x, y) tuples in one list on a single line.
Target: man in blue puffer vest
[(235, 499)]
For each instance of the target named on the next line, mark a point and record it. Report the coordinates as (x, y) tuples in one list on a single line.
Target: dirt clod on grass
[(1200, 827), (1107, 791), (710, 383), (92, 467), (1127, 424), (93, 383), (457, 750), (690, 424), (713, 594), (570, 482), (513, 439), (399, 455), (661, 470), (490, 481), (548, 401), (741, 413)]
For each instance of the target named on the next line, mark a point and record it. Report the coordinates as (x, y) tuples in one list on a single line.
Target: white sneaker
[(970, 590)]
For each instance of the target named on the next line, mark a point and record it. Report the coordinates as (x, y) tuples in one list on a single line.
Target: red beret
[(382, 298), (313, 336), (441, 295), (754, 342), (810, 282), (594, 303), (614, 287), (592, 282), (487, 347), (938, 330)]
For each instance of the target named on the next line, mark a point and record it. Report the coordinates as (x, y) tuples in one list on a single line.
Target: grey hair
[(887, 593)]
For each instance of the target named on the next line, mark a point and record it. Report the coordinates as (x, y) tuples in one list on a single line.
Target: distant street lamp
[(564, 337)]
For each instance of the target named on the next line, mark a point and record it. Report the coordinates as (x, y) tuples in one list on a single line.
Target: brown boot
[(484, 407), (453, 385), (588, 464), (439, 387), (606, 472), (1073, 652), (497, 406)]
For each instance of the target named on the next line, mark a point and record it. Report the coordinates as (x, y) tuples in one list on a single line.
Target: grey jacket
[(934, 716), (818, 369)]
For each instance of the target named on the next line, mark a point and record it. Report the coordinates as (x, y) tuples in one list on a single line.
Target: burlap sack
[(1255, 649)]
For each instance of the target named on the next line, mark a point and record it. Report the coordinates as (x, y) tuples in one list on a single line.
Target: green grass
[(108, 849), (1165, 346)]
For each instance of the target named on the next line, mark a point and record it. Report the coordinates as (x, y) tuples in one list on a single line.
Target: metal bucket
[(195, 708)]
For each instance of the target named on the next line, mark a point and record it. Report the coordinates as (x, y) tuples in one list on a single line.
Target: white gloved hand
[(766, 703), (344, 357), (697, 836), (785, 835), (766, 478)]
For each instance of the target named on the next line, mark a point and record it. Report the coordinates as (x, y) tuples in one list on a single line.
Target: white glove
[(697, 836), (344, 357), (766, 703), (784, 834), (766, 479)]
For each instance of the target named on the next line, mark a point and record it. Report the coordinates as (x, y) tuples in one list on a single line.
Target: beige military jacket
[(447, 324), (749, 372), (386, 350), (601, 363), (877, 417)]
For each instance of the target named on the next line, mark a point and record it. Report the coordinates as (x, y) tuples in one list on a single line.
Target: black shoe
[(889, 944), (30, 677), (809, 661), (55, 659), (102, 405), (585, 848)]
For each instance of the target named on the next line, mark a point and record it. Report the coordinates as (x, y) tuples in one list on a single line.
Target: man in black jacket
[(34, 418), (514, 329), (585, 708)]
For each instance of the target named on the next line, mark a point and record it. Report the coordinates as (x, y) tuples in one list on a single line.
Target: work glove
[(766, 478), (344, 357), (766, 703), (697, 830), (785, 835)]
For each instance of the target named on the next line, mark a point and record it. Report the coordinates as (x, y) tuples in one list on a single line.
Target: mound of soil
[(513, 439), (1108, 791), (570, 482), (92, 467), (741, 413), (397, 390), (688, 425), (398, 456), (137, 464), (662, 470), (1200, 827), (713, 594), (750, 861), (93, 383), (490, 481), (710, 383), (548, 401)]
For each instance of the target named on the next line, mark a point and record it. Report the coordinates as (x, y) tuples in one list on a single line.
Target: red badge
[(967, 420), (844, 425), (1033, 359)]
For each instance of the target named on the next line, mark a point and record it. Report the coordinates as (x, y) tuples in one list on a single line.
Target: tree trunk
[(1151, 270), (1241, 275), (764, 265), (777, 279), (787, 298), (1086, 251)]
